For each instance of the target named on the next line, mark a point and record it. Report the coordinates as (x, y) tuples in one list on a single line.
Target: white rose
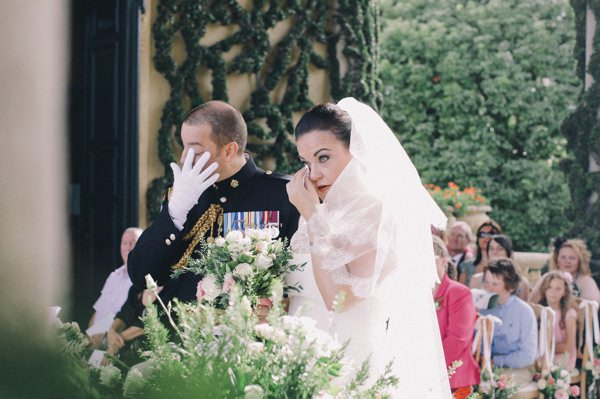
[(560, 382), (541, 384), (262, 247), (210, 287), (110, 375), (252, 233), (256, 347), (264, 330), (219, 241), (134, 383), (243, 270), (234, 236), (263, 262), (253, 392), (564, 373)]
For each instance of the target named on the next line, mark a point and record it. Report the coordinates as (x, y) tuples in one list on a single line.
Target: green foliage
[(583, 136), (476, 91), (226, 354), (318, 31)]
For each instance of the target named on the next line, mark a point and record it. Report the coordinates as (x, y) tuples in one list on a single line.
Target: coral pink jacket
[(456, 317)]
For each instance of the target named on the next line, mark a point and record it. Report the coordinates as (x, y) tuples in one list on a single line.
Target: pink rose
[(575, 390), (200, 293), (551, 381), (561, 394), (228, 282), (501, 385)]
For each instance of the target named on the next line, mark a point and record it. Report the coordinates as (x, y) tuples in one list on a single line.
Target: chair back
[(482, 342)]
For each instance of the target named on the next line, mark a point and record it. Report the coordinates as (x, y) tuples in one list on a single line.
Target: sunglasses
[(482, 234)]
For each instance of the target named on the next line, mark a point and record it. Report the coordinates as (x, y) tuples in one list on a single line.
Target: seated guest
[(456, 317), (127, 329), (555, 292), (114, 293), (515, 341), (500, 246), (572, 256), (458, 240), (468, 268)]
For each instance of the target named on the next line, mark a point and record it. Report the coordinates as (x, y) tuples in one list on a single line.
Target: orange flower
[(453, 185), (437, 189), (458, 205), (470, 191), (480, 199)]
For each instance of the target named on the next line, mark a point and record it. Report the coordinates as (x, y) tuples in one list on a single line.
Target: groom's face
[(325, 156), (200, 138)]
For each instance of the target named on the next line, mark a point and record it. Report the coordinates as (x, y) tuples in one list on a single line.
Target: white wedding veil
[(378, 209)]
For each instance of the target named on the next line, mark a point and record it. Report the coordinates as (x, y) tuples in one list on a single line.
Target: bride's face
[(325, 156)]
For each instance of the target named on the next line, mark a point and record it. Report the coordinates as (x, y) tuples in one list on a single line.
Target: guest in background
[(468, 268), (456, 317), (114, 292), (500, 246), (515, 341), (555, 292), (572, 256), (458, 239)]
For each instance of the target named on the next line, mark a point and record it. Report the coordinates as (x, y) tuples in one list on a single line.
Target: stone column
[(33, 218)]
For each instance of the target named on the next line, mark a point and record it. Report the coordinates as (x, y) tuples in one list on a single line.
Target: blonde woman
[(572, 256)]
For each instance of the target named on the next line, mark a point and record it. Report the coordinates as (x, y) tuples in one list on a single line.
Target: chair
[(588, 332), (546, 342)]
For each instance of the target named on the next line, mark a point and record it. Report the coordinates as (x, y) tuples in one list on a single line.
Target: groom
[(218, 188)]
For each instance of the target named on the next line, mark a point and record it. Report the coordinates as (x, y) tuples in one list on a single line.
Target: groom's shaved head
[(226, 122)]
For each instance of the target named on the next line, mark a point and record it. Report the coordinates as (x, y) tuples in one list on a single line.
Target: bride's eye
[(323, 158)]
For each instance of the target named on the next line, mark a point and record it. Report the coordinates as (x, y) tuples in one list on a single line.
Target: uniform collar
[(240, 177)]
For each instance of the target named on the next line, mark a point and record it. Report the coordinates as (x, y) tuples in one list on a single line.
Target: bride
[(365, 233)]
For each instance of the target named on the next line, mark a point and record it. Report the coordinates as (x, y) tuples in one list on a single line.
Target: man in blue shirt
[(515, 341)]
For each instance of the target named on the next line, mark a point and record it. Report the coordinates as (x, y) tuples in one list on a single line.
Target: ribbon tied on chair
[(592, 329), (547, 339), (485, 332)]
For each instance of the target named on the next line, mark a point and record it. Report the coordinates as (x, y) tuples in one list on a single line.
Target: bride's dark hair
[(326, 117)]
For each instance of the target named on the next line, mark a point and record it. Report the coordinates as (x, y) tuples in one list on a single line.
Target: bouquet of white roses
[(556, 383), (497, 385), (250, 260), (230, 355)]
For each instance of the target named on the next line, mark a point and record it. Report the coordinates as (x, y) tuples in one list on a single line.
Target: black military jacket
[(162, 245)]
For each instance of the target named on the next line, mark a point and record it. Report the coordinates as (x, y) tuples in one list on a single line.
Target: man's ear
[(230, 151)]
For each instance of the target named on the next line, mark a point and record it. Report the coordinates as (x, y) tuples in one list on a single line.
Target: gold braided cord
[(206, 222)]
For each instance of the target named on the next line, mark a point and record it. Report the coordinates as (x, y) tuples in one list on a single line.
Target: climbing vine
[(583, 135), (346, 27)]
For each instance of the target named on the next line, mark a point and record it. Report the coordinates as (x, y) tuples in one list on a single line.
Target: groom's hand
[(302, 194), (188, 185)]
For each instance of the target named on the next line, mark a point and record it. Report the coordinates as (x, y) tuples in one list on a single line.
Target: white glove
[(188, 185)]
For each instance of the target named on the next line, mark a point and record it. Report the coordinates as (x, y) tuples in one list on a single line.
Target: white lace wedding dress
[(377, 206)]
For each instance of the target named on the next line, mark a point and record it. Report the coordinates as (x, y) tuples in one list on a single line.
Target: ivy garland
[(583, 134), (349, 26)]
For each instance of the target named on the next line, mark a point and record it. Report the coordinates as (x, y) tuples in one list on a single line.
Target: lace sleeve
[(339, 238)]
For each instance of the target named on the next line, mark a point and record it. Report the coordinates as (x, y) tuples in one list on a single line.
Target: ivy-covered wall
[(340, 37), (583, 135)]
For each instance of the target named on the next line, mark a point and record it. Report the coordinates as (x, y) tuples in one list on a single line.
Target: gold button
[(234, 183), (172, 237), (269, 172), (168, 242), (223, 199)]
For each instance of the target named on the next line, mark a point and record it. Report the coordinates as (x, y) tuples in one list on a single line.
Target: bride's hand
[(302, 193)]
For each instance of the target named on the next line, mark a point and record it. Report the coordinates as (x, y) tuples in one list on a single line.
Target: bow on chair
[(485, 332), (592, 329), (547, 339)]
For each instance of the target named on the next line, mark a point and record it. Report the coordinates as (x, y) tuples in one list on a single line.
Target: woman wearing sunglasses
[(484, 233)]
